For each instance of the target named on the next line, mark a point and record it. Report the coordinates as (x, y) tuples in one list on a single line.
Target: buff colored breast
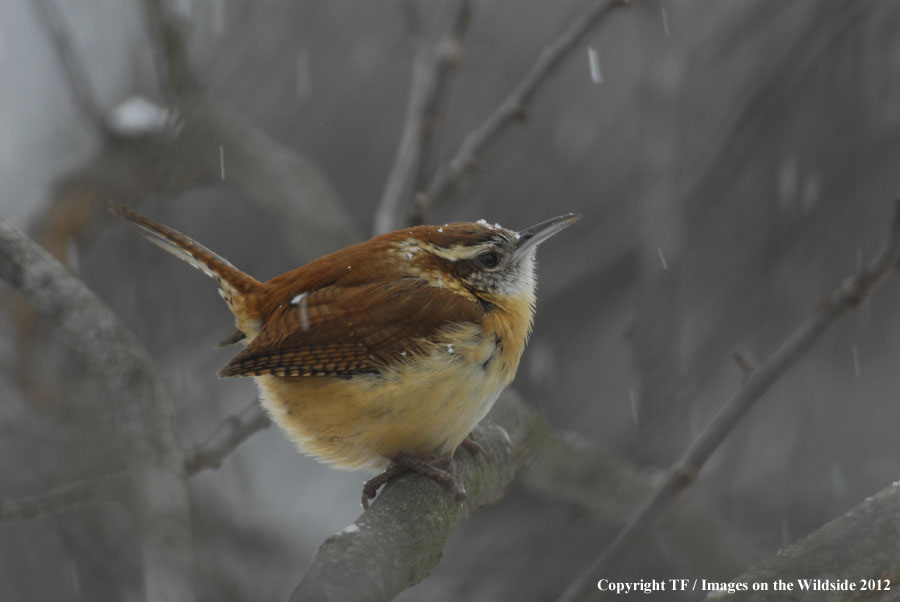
[(423, 406)]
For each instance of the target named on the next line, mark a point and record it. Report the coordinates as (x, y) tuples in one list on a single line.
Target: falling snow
[(222, 162), (662, 258), (450, 349), (304, 310), (594, 63)]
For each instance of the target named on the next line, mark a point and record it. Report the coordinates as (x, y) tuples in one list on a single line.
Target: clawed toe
[(441, 470)]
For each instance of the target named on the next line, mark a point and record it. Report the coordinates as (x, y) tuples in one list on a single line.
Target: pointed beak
[(530, 238)]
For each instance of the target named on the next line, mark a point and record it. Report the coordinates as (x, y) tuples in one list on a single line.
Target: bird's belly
[(425, 406)]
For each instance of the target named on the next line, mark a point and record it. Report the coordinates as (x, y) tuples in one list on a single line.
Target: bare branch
[(145, 411), (233, 431), (855, 291), (416, 152), (170, 52), (74, 70), (63, 499), (515, 107), (861, 544)]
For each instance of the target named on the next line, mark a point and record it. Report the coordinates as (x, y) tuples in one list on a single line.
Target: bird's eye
[(488, 259)]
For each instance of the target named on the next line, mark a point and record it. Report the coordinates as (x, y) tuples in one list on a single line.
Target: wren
[(383, 355)]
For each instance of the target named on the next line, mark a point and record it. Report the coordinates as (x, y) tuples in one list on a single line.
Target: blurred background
[(733, 163)]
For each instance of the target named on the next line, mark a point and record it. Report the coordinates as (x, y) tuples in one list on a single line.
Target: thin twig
[(74, 70), (432, 68), (515, 107), (229, 434), (66, 498), (855, 291)]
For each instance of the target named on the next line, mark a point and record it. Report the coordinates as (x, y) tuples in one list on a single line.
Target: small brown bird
[(386, 353)]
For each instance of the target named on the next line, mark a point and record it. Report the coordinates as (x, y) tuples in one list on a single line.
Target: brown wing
[(342, 331)]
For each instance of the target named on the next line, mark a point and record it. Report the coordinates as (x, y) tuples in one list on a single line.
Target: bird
[(383, 355)]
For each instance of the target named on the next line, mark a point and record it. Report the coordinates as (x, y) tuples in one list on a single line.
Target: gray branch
[(855, 291), (863, 544), (168, 40), (144, 408), (228, 435), (432, 68), (514, 108), (66, 498)]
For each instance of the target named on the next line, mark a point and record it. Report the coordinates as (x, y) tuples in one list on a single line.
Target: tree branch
[(71, 496), (862, 544), (170, 52), (855, 291), (145, 411), (73, 69), (415, 157), (515, 107), (230, 433)]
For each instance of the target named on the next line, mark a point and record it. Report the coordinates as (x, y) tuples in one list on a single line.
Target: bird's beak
[(529, 238)]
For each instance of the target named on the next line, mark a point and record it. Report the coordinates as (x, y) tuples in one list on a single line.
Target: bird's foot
[(441, 470)]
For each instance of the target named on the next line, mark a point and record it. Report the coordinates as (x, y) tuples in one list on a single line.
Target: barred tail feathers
[(235, 284)]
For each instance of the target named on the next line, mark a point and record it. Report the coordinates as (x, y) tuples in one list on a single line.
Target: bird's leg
[(441, 470), (370, 489), (473, 447)]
